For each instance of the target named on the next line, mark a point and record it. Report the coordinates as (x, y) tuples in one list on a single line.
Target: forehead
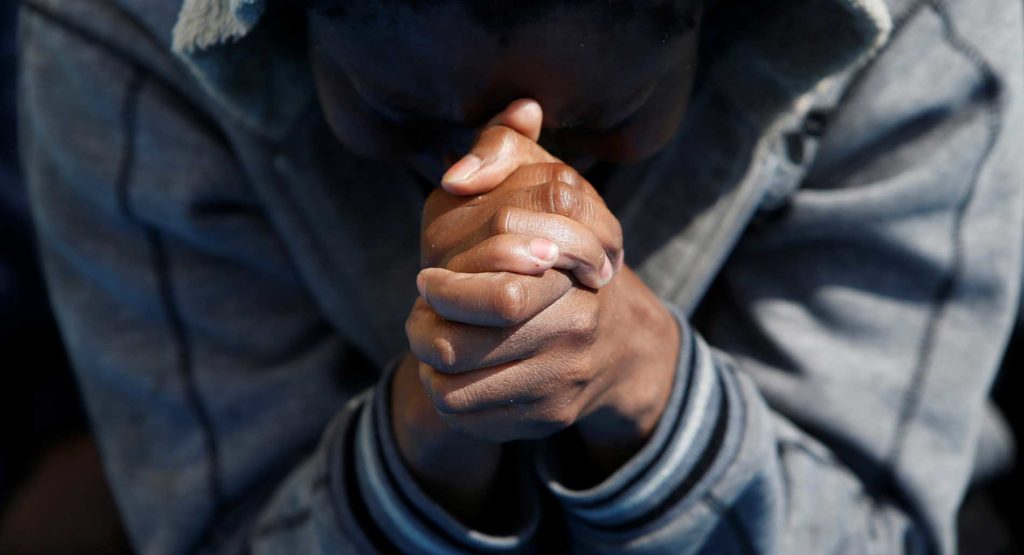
[(461, 64)]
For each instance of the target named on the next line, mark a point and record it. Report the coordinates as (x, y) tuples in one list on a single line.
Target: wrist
[(645, 369), (459, 483)]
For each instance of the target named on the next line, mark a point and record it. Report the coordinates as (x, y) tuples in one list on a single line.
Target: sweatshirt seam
[(160, 265), (199, 114), (186, 371), (139, 76), (886, 479), (944, 291), (61, 21)]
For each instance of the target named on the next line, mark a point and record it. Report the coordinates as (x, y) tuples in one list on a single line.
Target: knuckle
[(453, 401), (503, 220), (616, 228), (442, 355), (553, 419), (422, 352), (563, 418), (426, 343), (583, 324), (563, 194), (511, 301), (577, 375), (416, 319), (561, 198), (565, 173), (483, 258), (497, 254)]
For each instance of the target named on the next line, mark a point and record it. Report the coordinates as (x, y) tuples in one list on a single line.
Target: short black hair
[(668, 18)]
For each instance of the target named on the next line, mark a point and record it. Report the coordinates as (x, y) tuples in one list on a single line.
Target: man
[(232, 239)]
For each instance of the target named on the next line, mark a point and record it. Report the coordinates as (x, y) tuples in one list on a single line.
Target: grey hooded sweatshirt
[(837, 226)]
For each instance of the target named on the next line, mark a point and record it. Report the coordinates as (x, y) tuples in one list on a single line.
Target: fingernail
[(421, 285), (530, 105), (543, 249), (463, 169), (606, 272)]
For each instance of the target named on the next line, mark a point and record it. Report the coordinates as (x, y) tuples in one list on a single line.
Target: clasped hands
[(528, 322)]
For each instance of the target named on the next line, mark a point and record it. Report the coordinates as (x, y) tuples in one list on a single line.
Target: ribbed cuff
[(413, 521), (683, 445)]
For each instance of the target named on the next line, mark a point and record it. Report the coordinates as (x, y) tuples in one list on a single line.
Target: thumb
[(506, 142), (524, 116)]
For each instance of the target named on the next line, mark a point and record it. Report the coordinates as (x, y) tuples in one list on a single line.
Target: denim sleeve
[(832, 399), (231, 417)]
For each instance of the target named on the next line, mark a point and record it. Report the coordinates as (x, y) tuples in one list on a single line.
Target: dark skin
[(528, 321)]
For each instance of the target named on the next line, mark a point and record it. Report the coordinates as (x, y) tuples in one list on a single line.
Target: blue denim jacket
[(837, 226)]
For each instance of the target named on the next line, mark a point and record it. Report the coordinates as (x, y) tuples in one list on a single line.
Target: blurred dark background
[(53, 495)]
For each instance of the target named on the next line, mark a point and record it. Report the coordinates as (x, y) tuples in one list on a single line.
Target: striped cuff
[(686, 443), (413, 521)]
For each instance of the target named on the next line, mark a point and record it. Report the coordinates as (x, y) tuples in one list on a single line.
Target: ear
[(205, 23)]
